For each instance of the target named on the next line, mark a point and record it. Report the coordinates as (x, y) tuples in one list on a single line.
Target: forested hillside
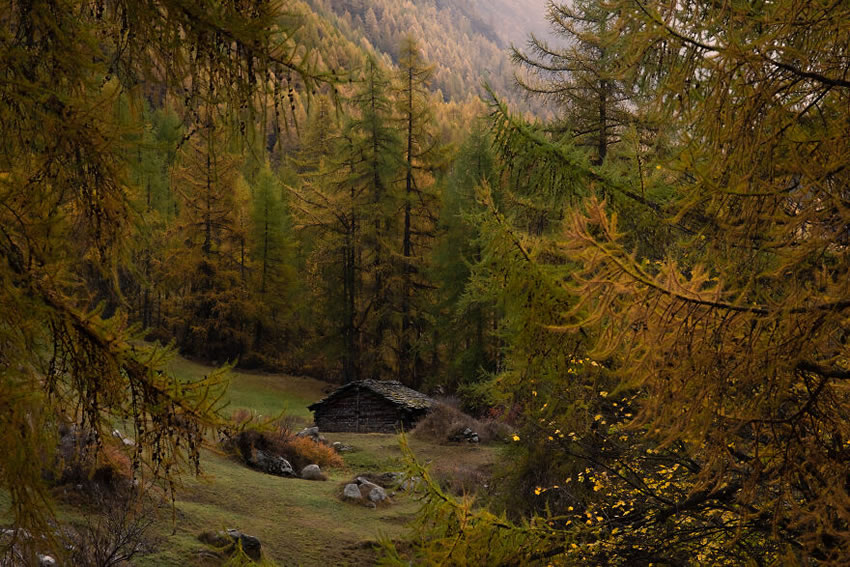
[(642, 293), (466, 42)]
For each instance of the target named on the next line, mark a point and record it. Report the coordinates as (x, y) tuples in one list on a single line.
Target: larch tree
[(375, 148), (209, 254), (64, 212), (578, 76), (690, 398), (421, 158)]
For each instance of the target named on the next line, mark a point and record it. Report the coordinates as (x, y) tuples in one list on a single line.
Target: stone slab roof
[(392, 390)]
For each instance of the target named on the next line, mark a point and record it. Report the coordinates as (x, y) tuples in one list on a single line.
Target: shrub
[(445, 421), (303, 451), (276, 438), (112, 533)]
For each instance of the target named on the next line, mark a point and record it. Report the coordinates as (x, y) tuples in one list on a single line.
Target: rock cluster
[(365, 491), (270, 464), (467, 435), (312, 433)]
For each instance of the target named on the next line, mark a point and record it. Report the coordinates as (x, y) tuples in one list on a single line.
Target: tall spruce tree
[(465, 315), (271, 255)]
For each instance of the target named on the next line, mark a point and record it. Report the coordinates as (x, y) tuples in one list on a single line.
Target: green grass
[(299, 522), (266, 394)]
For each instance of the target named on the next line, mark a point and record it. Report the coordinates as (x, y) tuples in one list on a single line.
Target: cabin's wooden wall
[(362, 410)]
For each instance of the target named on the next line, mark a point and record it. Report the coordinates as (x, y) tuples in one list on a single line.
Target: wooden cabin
[(371, 406)]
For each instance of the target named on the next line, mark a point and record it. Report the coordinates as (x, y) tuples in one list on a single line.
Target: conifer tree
[(64, 213), (374, 148), (467, 318), (422, 156), (210, 259), (578, 77), (688, 399), (270, 250)]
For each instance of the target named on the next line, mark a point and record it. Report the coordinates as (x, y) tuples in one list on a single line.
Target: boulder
[(312, 472), (352, 492), (377, 494), (467, 435), (250, 545), (341, 447), (227, 541), (271, 464), (311, 432), (365, 482), (370, 490), (46, 561)]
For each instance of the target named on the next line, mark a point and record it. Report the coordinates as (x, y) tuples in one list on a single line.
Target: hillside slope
[(467, 42)]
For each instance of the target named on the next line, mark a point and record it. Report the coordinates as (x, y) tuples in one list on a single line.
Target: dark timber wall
[(361, 410)]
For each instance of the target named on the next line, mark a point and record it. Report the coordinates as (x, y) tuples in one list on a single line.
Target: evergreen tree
[(65, 214), (212, 308), (422, 156), (271, 254), (468, 319), (374, 149), (579, 78)]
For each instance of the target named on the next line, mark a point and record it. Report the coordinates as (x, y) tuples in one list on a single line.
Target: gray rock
[(366, 482), (271, 464), (312, 432), (250, 545), (312, 472), (46, 561), (341, 447), (352, 492), (377, 494)]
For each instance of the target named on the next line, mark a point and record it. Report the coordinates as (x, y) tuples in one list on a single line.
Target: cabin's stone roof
[(392, 390)]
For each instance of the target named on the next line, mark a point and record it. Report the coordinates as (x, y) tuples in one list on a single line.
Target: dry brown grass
[(303, 451), (278, 439), (445, 421)]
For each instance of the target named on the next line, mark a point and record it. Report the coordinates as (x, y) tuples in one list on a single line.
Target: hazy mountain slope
[(467, 41), (512, 20)]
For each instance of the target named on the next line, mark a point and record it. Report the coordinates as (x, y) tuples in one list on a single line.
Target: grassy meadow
[(299, 522)]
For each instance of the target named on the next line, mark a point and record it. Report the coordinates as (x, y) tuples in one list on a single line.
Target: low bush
[(303, 451), (445, 422), (277, 438)]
